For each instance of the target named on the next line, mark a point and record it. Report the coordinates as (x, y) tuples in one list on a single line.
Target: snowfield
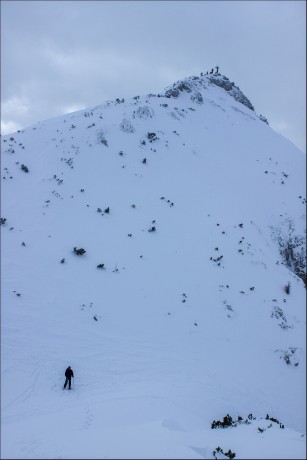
[(196, 209)]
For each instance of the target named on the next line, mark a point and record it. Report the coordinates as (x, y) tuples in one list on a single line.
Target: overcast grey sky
[(60, 56)]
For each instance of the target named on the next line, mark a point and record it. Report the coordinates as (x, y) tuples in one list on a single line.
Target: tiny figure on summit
[(68, 374), (212, 70), (217, 69)]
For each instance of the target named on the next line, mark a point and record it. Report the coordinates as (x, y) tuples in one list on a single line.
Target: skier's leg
[(66, 381)]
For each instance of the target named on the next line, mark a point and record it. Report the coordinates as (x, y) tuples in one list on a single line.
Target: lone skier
[(217, 69), (68, 374)]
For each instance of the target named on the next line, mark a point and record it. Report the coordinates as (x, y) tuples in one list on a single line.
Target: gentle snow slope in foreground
[(192, 320)]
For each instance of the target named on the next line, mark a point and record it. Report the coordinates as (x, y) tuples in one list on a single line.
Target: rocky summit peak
[(198, 85)]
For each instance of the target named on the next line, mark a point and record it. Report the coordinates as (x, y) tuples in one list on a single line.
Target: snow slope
[(185, 323)]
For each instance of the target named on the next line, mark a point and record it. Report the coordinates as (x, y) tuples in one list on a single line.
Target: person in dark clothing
[(68, 374), (217, 69)]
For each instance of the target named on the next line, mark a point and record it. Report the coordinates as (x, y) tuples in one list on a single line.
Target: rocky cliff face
[(196, 85)]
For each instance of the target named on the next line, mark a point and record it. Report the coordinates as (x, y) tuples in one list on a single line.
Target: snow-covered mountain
[(188, 301)]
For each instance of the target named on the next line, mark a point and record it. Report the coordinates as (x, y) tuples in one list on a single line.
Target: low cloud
[(13, 111), (9, 126), (17, 105)]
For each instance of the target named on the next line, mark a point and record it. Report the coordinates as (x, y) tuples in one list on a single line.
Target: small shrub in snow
[(228, 454), (144, 112), (172, 92), (2, 220), (144, 161), (24, 168), (107, 210), (79, 251), (281, 425), (197, 97), (101, 139), (126, 126), (227, 421), (152, 137), (289, 356), (279, 314), (287, 288), (217, 259), (262, 118), (152, 229), (101, 266)]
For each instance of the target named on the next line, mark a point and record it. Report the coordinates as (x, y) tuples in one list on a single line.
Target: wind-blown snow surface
[(184, 324)]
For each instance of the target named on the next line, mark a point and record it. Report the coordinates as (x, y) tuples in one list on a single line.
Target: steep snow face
[(156, 245)]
